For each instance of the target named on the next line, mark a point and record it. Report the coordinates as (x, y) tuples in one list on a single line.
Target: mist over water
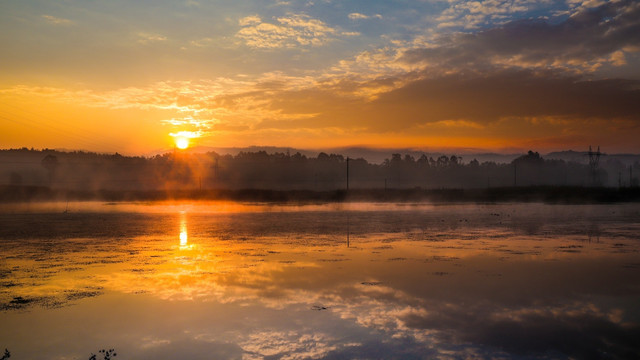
[(41, 175), (228, 281)]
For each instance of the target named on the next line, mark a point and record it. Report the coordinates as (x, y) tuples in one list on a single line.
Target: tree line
[(284, 171)]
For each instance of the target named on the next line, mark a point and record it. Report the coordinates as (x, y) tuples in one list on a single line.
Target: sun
[(182, 139), (182, 143)]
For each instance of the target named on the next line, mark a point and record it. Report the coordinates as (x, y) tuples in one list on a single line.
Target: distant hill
[(378, 155), (582, 157), (372, 155)]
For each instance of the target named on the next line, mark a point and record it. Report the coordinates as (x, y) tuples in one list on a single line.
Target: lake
[(222, 280)]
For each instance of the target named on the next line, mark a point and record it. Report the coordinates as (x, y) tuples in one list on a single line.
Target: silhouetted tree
[(285, 171), (530, 158), (423, 160), (442, 162)]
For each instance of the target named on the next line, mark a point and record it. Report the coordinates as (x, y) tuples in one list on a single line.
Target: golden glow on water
[(279, 269), (223, 268)]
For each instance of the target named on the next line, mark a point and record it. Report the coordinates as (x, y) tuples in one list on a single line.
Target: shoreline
[(545, 194)]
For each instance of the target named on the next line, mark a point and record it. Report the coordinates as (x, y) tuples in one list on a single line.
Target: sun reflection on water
[(183, 238), (184, 243)]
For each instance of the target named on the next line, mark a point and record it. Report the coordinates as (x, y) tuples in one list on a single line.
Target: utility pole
[(619, 179), (594, 159), (347, 173), (515, 175)]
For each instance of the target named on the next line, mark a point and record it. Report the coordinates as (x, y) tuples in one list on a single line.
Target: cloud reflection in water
[(413, 283)]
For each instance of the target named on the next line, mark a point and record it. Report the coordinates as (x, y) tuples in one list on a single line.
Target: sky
[(495, 75)]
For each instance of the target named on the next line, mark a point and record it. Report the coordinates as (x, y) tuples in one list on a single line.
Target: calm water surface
[(346, 281)]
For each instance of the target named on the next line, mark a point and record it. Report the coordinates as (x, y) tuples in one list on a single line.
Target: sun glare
[(182, 143)]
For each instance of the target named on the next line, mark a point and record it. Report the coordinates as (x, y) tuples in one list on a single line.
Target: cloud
[(391, 348), (458, 103), (585, 41), (457, 124), (250, 20), (490, 96), (584, 329), (359, 16), (290, 31), (147, 38), (284, 344), (188, 134), (203, 42), (471, 14), (184, 347), (57, 21), (548, 106), (221, 104), (512, 81)]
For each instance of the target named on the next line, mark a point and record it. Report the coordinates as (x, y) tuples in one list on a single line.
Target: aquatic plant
[(107, 354)]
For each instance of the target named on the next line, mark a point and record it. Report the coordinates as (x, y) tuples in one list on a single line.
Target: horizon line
[(330, 150)]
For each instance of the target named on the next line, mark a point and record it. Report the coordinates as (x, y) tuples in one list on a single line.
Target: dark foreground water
[(348, 281)]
